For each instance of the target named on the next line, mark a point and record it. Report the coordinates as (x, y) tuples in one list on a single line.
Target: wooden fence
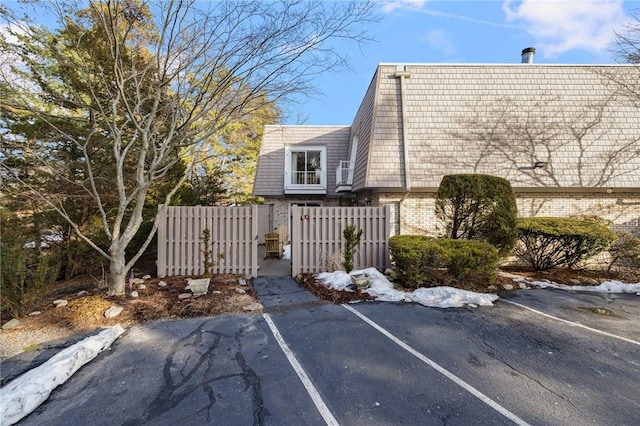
[(234, 240), (317, 241)]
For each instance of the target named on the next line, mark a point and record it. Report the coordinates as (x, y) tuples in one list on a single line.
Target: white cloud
[(562, 25), (440, 40), (390, 6)]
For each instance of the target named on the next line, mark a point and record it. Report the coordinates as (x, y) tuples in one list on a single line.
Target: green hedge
[(24, 275), (417, 257), (551, 242), (478, 207)]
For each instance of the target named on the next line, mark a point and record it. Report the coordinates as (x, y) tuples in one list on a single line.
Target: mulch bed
[(309, 282)]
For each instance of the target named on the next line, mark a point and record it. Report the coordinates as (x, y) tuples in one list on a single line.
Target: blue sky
[(453, 31)]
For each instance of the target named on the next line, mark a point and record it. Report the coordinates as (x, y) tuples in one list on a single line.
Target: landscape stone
[(83, 293), (591, 281), (573, 281), (240, 291), (507, 286), (138, 281), (13, 323), (216, 292), (242, 281), (184, 295), (141, 286), (162, 284), (35, 313), (522, 285), (113, 311), (60, 303), (134, 294), (492, 288), (198, 286), (146, 277)]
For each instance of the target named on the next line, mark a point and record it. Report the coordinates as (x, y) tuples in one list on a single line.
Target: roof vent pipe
[(527, 55)]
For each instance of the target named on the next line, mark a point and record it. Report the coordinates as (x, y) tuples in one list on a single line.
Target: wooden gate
[(265, 221), (234, 240), (317, 241)]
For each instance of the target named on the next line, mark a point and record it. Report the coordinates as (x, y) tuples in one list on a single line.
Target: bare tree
[(627, 46), (154, 83)]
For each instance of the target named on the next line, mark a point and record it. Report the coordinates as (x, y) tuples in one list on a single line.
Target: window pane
[(306, 167), (297, 167), (313, 160)]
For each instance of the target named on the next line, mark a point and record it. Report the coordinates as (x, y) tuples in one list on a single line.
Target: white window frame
[(292, 188)]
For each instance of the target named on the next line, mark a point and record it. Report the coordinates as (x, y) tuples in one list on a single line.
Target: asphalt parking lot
[(540, 357)]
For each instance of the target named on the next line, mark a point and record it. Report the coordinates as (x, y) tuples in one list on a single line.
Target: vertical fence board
[(233, 240), (317, 233)]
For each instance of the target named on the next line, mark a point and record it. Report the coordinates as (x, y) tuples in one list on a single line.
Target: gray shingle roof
[(501, 120), (269, 179)]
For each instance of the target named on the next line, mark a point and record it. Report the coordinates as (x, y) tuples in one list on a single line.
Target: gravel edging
[(17, 341)]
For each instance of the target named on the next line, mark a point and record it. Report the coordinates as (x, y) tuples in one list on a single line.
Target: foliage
[(418, 257), (205, 187), (206, 252), (109, 114), (351, 243), (239, 150), (625, 251), (24, 275), (550, 242), (478, 207)]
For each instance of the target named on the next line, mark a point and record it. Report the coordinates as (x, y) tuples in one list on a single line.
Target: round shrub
[(418, 257), (478, 207), (551, 242)]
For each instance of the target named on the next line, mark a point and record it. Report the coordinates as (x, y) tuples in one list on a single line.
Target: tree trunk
[(117, 272)]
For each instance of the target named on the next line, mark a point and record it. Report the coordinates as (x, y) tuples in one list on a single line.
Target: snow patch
[(382, 290), (605, 287), (24, 394), (286, 252)]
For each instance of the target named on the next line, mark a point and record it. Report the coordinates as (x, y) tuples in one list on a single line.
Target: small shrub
[(551, 242), (418, 258), (333, 261), (413, 256), (24, 275), (478, 207), (470, 260), (206, 252), (625, 252), (351, 243)]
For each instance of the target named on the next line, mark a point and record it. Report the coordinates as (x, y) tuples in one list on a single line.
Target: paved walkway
[(272, 266), (279, 294)]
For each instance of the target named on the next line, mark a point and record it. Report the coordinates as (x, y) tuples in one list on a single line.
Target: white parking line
[(482, 397), (304, 378), (574, 324)]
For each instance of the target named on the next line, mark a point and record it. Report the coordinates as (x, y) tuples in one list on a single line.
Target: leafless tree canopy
[(155, 82)]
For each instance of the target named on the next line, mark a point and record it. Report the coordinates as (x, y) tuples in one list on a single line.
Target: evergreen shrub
[(417, 257), (24, 275), (551, 242), (351, 243), (478, 207)]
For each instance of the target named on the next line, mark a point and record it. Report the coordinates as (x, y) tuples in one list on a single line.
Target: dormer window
[(305, 170)]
